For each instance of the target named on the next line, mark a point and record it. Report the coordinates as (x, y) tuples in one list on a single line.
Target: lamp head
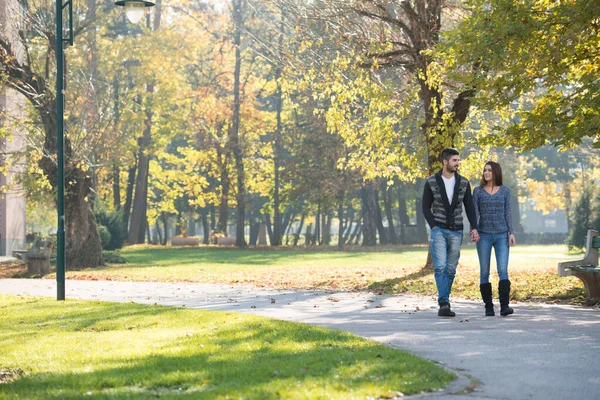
[(134, 8)]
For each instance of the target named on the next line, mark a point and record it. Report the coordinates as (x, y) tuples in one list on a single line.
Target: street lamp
[(135, 11)]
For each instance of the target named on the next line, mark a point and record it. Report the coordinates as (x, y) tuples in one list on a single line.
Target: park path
[(541, 352)]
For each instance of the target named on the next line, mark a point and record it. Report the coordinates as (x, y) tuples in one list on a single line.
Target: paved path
[(541, 352)]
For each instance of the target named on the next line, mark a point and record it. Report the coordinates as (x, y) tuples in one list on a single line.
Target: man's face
[(452, 164)]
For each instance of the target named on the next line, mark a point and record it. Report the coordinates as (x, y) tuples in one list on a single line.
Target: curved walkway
[(541, 352)]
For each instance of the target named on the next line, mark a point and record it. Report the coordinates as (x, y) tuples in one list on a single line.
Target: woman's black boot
[(486, 295), (504, 293)]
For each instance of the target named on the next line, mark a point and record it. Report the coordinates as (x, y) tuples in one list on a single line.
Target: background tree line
[(293, 114)]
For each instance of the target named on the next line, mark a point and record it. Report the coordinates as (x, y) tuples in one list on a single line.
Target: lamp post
[(135, 11)]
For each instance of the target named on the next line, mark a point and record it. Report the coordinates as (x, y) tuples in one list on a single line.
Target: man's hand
[(475, 235), (511, 240)]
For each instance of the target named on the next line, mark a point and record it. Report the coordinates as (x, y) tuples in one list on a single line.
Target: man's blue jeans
[(499, 241), (445, 251)]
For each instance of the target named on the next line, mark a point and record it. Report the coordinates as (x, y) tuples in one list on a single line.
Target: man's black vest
[(448, 215)]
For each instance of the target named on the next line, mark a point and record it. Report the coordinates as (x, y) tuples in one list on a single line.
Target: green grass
[(390, 269), (76, 349)]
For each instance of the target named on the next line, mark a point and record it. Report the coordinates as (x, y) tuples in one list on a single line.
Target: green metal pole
[(60, 235)]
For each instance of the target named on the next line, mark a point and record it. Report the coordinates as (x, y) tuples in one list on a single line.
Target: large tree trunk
[(369, 206), (83, 248)]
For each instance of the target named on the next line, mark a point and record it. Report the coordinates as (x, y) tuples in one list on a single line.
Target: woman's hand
[(511, 240)]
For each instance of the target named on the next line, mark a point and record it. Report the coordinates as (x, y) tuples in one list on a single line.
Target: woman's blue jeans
[(445, 252), (499, 241)]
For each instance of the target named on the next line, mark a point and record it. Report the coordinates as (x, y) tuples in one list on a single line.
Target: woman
[(492, 204)]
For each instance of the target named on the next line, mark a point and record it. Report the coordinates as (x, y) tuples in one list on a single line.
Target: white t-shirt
[(449, 183)]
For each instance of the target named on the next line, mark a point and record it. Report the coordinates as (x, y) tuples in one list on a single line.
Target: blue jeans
[(499, 241), (445, 251)]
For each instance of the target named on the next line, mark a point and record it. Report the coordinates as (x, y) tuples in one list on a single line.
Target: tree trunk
[(308, 235), (205, 228), (326, 229), (387, 203), (129, 194), (83, 248), (213, 218), (341, 228), (421, 223), (317, 235), (178, 229), (568, 205), (116, 188), (269, 226), (254, 229), (165, 221), (383, 238), (402, 213), (235, 126), (276, 239), (158, 232), (516, 211), (140, 199), (191, 225), (370, 208), (299, 231), (288, 217), (225, 188), (116, 169), (147, 229)]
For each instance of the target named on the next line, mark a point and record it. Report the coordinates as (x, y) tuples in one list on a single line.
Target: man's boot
[(504, 294), (486, 295)]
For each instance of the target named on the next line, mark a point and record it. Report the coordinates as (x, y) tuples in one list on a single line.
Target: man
[(443, 195)]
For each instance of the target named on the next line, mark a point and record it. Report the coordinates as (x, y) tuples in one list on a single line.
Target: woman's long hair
[(496, 174)]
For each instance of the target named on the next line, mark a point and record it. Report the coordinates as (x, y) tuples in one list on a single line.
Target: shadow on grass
[(250, 358), (390, 286)]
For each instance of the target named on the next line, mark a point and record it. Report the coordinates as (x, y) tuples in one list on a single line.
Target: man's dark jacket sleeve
[(470, 207), (427, 202)]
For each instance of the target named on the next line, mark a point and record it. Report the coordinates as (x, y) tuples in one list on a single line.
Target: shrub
[(105, 235), (113, 221), (581, 220), (113, 257)]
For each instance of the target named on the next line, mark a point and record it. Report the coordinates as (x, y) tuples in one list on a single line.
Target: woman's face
[(487, 173)]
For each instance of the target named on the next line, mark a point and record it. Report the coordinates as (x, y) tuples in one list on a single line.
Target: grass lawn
[(76, 349), (397, 269)]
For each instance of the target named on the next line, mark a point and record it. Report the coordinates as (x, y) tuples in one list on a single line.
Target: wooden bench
[(226, 241), (586, 269), (37, 257)]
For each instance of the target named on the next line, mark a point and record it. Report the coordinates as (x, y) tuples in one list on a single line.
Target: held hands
[(511, 240), (475, 235)]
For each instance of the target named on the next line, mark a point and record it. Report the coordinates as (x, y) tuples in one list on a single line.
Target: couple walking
[(489, 214)]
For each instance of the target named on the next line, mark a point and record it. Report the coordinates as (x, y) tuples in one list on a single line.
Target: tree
[(139, 219), (539, 63), (20, 68)]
